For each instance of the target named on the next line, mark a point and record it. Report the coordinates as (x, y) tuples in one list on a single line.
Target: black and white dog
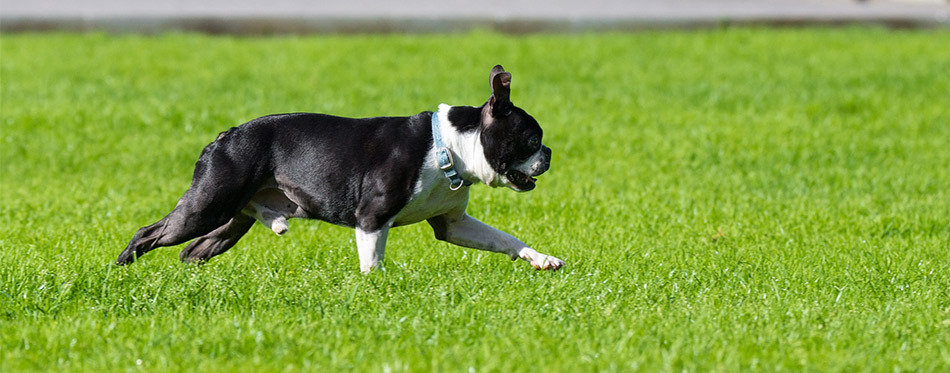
[(370, 174)]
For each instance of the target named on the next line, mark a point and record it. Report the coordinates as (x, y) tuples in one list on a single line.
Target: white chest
[(432, 197)]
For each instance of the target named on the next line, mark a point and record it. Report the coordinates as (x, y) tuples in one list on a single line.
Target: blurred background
[(515, 16)]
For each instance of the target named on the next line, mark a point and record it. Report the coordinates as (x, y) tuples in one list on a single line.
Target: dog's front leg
[(371, 246), (469, 232)]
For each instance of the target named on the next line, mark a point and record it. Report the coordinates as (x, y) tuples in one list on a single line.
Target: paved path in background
[(448, 14)]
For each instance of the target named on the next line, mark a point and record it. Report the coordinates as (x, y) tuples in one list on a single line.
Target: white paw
[(279, 225), (551, 263), (541, 261), (369, 268)]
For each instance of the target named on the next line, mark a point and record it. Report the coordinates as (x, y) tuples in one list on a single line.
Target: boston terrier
[(370, 174)]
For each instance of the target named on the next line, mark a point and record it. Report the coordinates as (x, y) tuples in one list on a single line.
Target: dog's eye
[(534, 142)]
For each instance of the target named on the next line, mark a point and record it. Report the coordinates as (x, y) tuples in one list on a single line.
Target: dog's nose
[(546, 160)]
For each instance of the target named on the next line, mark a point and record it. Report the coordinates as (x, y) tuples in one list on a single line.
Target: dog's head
[(511, 138)]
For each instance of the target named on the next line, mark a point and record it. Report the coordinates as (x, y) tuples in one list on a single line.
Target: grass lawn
[(737, 199)]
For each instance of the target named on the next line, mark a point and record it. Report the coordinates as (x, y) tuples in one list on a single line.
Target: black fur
[(506, 139), (466, 118), (351, 172)]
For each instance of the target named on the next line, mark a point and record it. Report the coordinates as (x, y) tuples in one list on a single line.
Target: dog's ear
[(500, 102)]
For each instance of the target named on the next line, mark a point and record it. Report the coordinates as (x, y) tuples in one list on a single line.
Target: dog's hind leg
[(184, 223), (227, 174), (209, 204), (218, 241)]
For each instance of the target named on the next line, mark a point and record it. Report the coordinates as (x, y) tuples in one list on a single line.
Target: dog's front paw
[(549, 262), (541, 261)]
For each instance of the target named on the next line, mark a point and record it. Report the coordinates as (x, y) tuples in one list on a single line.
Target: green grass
[(738, 199)]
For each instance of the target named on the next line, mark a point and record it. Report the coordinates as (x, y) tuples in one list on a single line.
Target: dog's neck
[(464, 141)]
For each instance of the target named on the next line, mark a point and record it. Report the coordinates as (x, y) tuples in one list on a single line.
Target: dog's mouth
[(520, 180)]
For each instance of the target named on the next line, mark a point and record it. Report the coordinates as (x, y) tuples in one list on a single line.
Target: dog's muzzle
[(525, 180)]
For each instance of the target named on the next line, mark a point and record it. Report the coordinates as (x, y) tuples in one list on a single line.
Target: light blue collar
[(444, 156)]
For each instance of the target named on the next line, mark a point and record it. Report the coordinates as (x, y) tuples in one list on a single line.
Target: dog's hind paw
[(279, 226)]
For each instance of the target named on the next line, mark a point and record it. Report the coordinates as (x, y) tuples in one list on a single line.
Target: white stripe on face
[(533, 165)]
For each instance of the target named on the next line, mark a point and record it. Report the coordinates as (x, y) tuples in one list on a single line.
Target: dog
[(370, 174)]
